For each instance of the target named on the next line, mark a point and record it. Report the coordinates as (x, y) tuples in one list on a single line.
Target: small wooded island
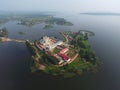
[(3, 32), (48, 26), (68, 57)]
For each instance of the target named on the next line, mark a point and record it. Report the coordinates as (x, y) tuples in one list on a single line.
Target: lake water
[(15, 57)]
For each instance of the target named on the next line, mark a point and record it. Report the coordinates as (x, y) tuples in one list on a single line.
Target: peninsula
[(68, 57)]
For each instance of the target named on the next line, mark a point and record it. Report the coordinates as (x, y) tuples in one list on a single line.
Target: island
[(33, 19), (48, 26), (102, 13), (21, 33), (3, 32), (46, 19), (68, 57)]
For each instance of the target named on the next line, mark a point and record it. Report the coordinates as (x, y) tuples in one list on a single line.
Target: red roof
[(39, 45), (65, 57), (63, 50)]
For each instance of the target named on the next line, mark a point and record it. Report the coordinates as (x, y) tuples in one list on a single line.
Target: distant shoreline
[(101, 13)]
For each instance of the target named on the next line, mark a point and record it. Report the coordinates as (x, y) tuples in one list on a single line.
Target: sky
[(61, 5)]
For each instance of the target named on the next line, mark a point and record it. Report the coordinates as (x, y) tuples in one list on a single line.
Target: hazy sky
[(61, 5)]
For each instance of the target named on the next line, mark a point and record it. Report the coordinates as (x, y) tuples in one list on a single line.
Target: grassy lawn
[(71, 52), (56, 50), (76, 62)]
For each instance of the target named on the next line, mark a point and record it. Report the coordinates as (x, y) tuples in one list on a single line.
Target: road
[(5, 39), (65, 38)]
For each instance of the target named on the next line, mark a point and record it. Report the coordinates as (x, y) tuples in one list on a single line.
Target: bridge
[(5, 39)]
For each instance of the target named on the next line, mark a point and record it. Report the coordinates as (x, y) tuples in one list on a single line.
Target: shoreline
[(47, 67)]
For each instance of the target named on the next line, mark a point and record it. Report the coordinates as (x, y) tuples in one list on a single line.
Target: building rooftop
[(65, 57), (64, 50), (50, 43)]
